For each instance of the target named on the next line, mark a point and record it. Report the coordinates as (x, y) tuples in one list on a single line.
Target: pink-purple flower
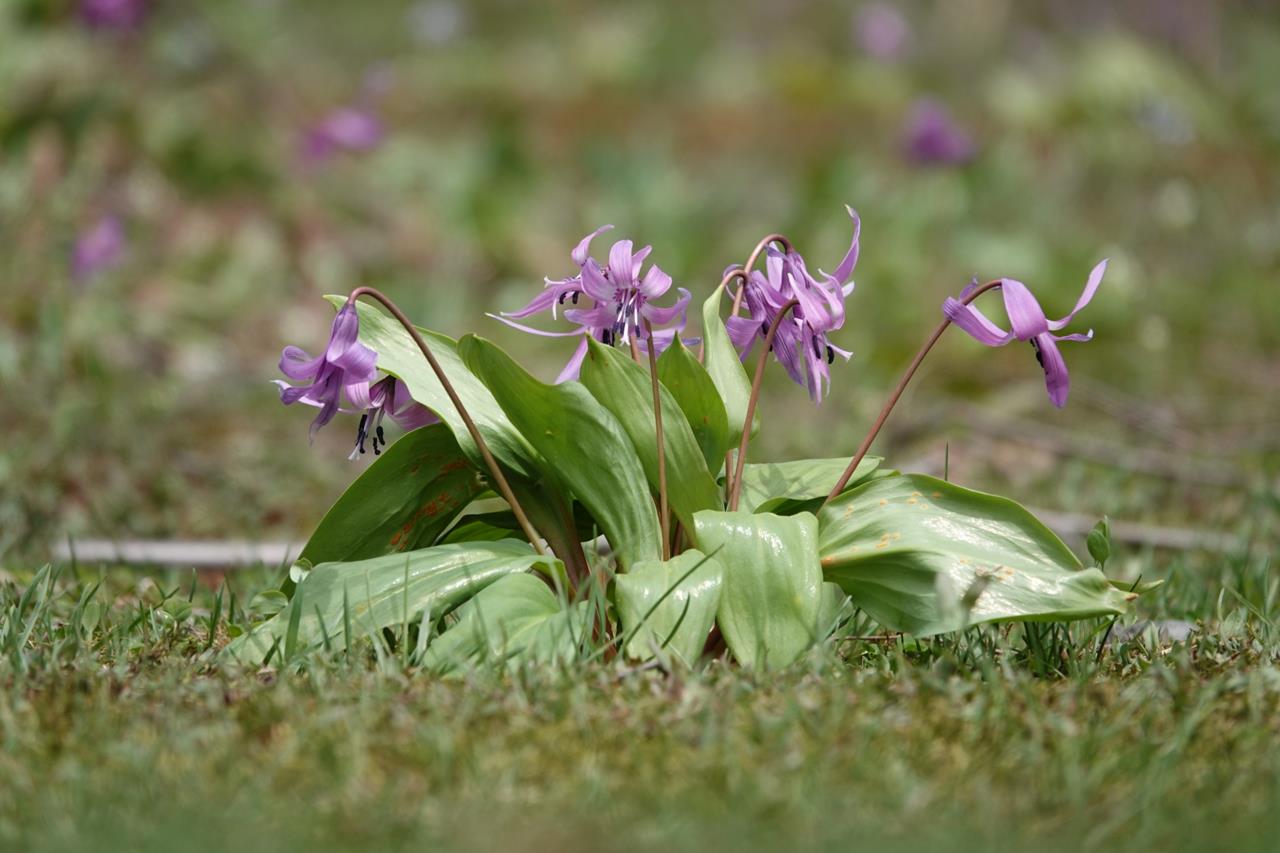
[(345, 369), (350, 129), (934, 138), (609, 302), (98, 248), (118, 15), (800, 345), (1029, 323), (388, 397), (882, 31)]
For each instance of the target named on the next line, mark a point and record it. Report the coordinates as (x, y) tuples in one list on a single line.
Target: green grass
[(136, 735)]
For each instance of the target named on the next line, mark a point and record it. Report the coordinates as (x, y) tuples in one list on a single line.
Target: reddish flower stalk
[(735, 492), (499, 478), (898, 391), (663, 513)]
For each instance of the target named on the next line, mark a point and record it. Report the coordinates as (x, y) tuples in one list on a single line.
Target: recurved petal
[(655, 283), (531, 330), (637, 260), (357, 362), (594, 283), (663, 316), (1090, 288), (1026, 317), (974, 322), (574, 366), (544, 301), (297, 364), (345, 331), (620, 259), (582, 251), (844, 271)]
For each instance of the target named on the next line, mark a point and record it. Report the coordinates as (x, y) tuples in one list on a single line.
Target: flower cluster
[(800, 344), (616, 303), (610, 302)]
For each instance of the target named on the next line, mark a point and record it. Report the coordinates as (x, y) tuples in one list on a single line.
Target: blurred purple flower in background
[(119, 15), (800, 344), (617, 301), (933, 137), (351, 129), (346, 367), (98, 248), (882, 31), (1029, 324)]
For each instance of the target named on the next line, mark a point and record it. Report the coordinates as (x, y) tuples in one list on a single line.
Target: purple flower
[(1029, 324), (388, 397), (351, 129), (609, 302), (933, 137), (882, 31), (800, 344), (346, 367), (118, 15), (98, 248)]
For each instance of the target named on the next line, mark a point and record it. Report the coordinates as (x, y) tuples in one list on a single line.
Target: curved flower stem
[(897, 394), (663, 513), (498, 478), (751, 263), (735, 491)]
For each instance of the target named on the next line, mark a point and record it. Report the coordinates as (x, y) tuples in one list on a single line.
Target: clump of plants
[(615, 512)]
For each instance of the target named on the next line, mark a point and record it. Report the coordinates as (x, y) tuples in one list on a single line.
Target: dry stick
[(662, 455), (503, 486), (897, 393), (736, 493)]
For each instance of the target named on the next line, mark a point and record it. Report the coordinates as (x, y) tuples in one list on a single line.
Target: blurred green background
[(135, 401)]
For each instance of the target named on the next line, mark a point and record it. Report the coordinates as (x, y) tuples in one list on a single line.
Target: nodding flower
[(800, 345), (346, 368), (1030, 324), (388, 397), (609, 302)]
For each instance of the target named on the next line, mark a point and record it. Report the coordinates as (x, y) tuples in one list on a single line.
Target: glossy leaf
[(583, 447), (766, 486), (694, 391), (515, 621), (669, 605), (724, 366), (400, 356), (401, 502), (924, 556), (386, 591), (771, 597), (625, 389)]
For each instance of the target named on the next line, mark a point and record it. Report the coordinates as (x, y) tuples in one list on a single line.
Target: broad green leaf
[(624, 388), (517, 620), (924, 556), (766, 486), (400, 356), (583, 447), (692, 388), (771, 598), (669, 606), (401, 502), (724, 366), (387, 591)]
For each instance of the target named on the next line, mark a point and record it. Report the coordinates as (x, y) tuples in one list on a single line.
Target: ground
[(136, 402)]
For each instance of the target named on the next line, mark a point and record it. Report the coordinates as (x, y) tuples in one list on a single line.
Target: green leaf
[(771, 600), (625, 389), (387, 591), (400, 356), (401, 502), (767, 486), (670, 605), (515, 621), (724, 366), (696, 394), (583, 447), (923, 556)]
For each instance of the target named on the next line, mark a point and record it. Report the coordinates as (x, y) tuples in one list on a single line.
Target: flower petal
[(1090, 288), (345, 331), (582, 251), (297, 364), (574, 366), (1025, 314), (620, 263), (594, 283), (663, 316), (522, 327), (545, 300), (845, 270), (637, 260), (655, 283), (1056, 378), (974, 322)]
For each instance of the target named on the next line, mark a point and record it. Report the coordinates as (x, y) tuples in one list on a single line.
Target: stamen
[(575, 297), (1039, 355), (817, 348), (361, 433), (831, 354), (606, 337), (562, 298)]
